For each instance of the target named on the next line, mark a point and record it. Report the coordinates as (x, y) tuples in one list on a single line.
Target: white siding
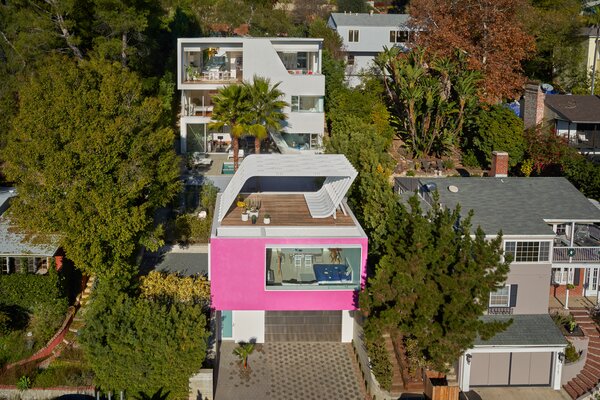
[(249, 326)]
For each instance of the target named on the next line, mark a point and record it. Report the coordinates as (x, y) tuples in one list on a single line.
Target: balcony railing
[(500, 311), (577, 254)]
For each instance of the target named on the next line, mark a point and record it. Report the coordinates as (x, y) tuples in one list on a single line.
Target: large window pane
[(319, 268)]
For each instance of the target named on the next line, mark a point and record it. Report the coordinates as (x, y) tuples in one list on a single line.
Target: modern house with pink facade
[(287, 255)]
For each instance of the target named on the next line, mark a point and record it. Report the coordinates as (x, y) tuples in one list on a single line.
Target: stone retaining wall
[(12, 393)]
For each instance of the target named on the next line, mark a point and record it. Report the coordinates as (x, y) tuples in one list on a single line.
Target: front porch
[(558, 302)]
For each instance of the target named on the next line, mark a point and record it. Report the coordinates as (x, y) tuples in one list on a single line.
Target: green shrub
[(380, 364), (495, 129), (469, 159), (571, 353), (448, 164), (13, 347), (46, 320), (24, 383), (64, 374), (29, 290), (5, 323)]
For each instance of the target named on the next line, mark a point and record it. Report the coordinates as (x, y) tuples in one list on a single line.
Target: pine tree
[(433, 284)]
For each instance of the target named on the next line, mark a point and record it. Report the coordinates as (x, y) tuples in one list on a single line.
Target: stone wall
[(12, 393)]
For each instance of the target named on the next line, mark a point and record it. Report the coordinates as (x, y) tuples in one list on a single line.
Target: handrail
[(576, 254)]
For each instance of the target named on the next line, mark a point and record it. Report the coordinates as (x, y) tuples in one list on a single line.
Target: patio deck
[(558, 302), (285, 210)]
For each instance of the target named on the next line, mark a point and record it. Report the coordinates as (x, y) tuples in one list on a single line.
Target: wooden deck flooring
[(285, 210)]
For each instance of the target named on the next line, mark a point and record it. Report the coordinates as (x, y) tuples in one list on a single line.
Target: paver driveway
[(290, 370)]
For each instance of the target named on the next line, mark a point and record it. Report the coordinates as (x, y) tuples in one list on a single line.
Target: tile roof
[(525, 330), (578, 109), (515, 205), (364, 19)]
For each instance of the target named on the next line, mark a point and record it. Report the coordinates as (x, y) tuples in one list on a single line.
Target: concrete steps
[(589, 376)]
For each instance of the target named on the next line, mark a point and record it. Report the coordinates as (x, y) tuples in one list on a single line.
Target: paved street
[(308, 371)]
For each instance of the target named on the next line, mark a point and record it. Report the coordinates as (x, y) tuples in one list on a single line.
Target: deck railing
[(577, 254)]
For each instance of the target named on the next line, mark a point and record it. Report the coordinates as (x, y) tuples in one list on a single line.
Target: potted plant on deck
[(267, 219)]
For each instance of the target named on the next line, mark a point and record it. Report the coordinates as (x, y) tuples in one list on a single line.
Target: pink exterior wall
[(238, 268)]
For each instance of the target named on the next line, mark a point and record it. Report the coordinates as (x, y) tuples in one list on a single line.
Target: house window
[(561, 229), (398, 36), (350, 59), (4, 265), (563, 276), (528, 251), (501, 297), (307, 104), (353, 35), (313, 268)]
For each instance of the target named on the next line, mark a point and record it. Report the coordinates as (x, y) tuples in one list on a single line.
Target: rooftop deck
[(284, 210)]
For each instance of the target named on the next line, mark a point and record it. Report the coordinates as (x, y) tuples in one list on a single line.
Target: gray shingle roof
[(13, 243), (517, 206), (525, 330), (364, 19), (575, 108)]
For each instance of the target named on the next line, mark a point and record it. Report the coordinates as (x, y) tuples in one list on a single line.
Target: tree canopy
[(428, 97), (488, 32), (433, 284), (91, 162)]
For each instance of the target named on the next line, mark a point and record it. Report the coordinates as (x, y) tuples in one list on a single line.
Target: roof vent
[(571, 104), (453, 189)]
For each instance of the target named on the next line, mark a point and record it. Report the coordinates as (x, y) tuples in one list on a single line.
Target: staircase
[(397, 382), (589, 377)]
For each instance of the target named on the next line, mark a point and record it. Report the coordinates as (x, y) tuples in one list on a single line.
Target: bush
[(469, 159), (29, 290), (64, 374), (571, 354), (495, 129), (24, 383), (380, 364)]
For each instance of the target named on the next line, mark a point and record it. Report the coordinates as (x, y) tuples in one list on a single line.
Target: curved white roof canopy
[(335, 168)]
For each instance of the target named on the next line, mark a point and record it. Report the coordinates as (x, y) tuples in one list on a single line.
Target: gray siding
[(533, 282)]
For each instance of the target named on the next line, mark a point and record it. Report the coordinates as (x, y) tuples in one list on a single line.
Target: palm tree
[(243, 351), (232, 109), (266, 108)]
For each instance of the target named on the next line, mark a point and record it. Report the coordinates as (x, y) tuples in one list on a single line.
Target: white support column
[(557, 373), (183, 136), (464, 372)]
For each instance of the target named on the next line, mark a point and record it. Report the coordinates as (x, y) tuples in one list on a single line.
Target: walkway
[(299, 370), (589, 376)]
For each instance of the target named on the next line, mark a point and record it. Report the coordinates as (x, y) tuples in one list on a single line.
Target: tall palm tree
[(266, 108), (232, 109)]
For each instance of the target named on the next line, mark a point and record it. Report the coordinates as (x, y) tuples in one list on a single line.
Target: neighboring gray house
[(17, 253), (574, 117), (551, 230), (365, 35)]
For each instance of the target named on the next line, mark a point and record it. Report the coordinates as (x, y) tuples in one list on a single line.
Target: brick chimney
[(533, 105), (499, 164)]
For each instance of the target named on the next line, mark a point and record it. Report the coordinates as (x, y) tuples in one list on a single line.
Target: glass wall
[(307, 104), (318, 268)]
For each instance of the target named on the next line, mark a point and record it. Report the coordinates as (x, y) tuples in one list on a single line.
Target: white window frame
[(353, 35), (563, 276), (495, 293), (540, 243)]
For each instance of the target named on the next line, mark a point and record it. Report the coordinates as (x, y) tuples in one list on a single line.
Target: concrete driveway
[(298, 370), (505, 393)]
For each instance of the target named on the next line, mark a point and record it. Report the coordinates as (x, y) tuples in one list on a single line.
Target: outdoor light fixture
[(469, 356), (561, 357)]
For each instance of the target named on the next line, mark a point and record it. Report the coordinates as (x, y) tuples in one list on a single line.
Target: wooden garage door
[(303, 326), (511, 369)]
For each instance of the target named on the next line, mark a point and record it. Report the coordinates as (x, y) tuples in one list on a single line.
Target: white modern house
[(365, 35), (207, 64)]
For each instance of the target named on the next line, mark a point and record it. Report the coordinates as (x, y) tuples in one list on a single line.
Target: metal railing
[(576, 254)]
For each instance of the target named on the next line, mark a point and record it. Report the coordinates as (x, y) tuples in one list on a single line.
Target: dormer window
[(353, 35)]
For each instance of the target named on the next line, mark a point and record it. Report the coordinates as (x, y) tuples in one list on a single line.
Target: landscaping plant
[(243, 351)]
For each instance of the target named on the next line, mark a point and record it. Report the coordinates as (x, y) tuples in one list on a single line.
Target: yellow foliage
[(173, 287)]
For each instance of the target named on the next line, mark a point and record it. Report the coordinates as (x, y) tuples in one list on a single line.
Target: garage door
[(511, 369), (303, 326)]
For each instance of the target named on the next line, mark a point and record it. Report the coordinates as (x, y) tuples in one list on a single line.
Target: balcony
[(585, 247), (212, 66)]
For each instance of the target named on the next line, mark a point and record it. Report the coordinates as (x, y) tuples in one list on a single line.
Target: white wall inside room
[(249, 326)]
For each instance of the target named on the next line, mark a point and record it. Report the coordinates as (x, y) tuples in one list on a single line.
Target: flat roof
[(366, 19), (575, 108), (514, 205), (285, 210), (240, 39), (525, 330)]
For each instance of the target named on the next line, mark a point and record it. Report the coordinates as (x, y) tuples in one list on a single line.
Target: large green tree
[(91, 162), (140, 345), (433, 284), (428, 97)]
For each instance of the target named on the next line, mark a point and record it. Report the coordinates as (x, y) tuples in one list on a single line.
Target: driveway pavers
[(290, 370)]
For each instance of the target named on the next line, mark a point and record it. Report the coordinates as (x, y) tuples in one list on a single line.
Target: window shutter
[(513, 295), (576, 277)]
